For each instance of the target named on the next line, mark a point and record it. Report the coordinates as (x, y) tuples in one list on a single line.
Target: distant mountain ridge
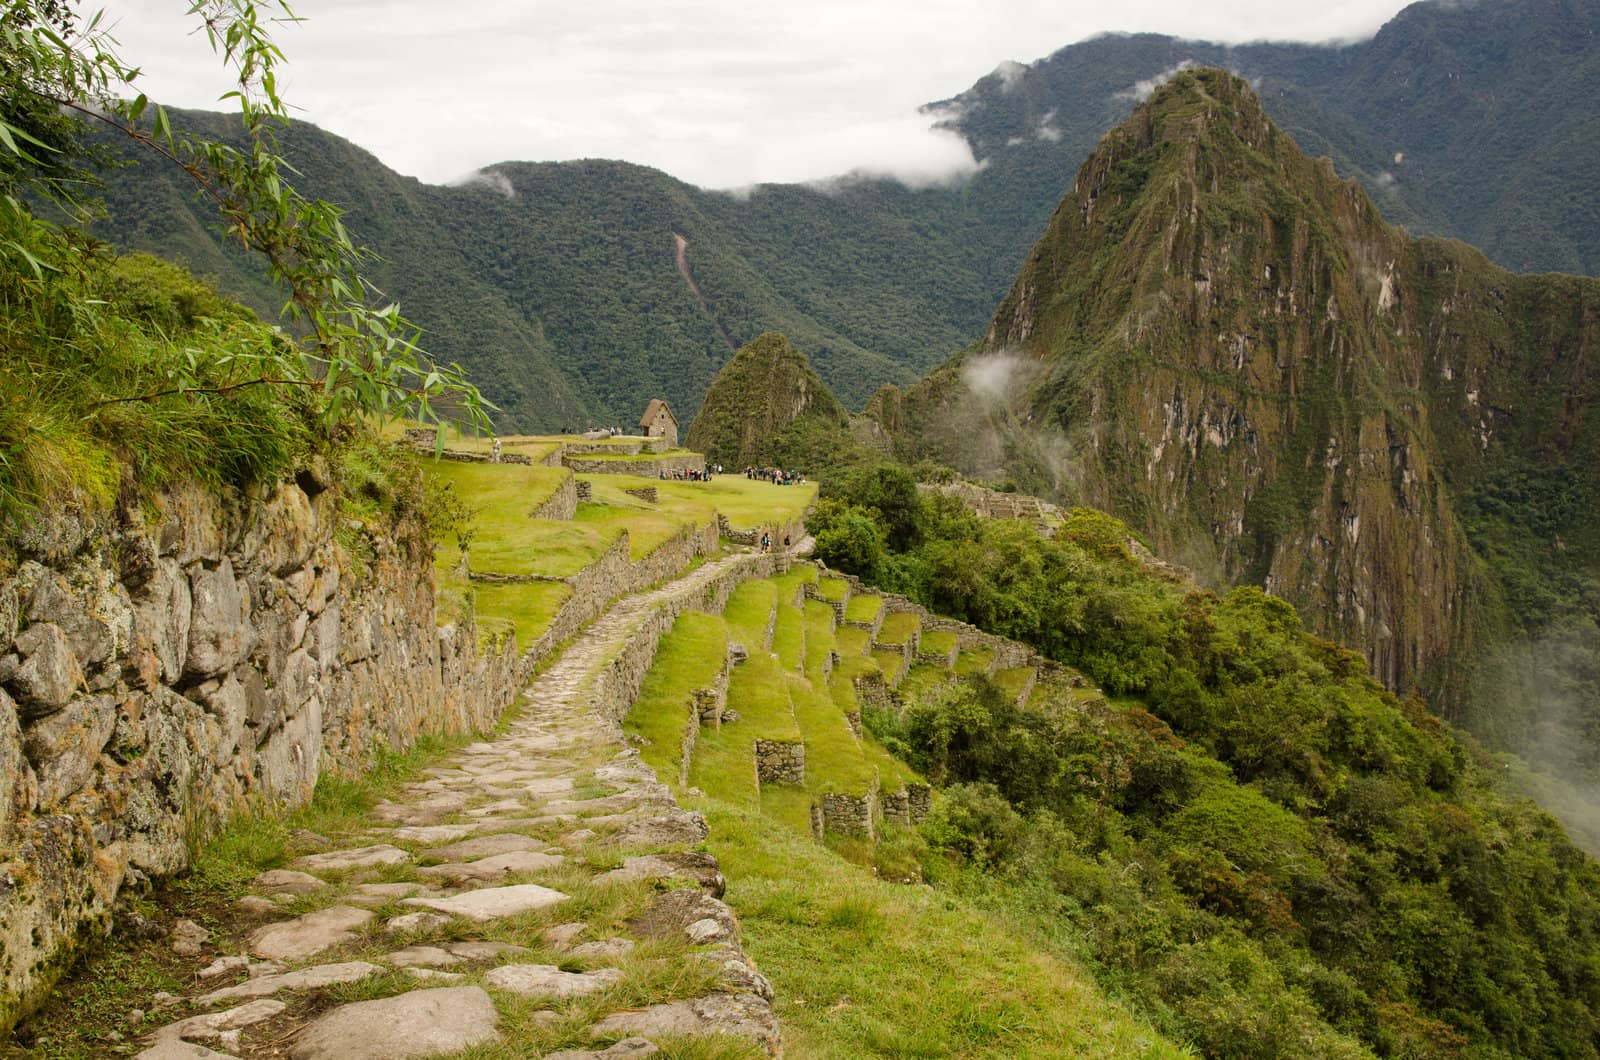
[(558, 284), (1221, 342)]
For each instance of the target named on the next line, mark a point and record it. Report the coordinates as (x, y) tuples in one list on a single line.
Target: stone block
[(780, 761), (219, 633), (44, 673)]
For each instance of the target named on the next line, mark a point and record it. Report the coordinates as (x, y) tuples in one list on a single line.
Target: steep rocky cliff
[(169, 663), (1220, 341)]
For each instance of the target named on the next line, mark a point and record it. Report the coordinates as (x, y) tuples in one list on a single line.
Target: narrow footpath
[(538, 894)]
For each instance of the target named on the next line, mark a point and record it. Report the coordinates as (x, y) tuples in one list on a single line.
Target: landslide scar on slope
[(694, 288)]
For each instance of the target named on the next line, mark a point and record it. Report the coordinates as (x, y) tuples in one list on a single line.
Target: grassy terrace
[(891, 663), (633, 458), (938, 642), (819, 638), (851, 641), (1014, 680), (789, 635), (525, 609), (749, 607), (759, 691), (688, 658), (745, 502), (898, 628), (835, 589), (921, 679), (863, 607), (974, 661)]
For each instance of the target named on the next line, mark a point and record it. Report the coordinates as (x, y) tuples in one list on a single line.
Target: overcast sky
[(718, 93)]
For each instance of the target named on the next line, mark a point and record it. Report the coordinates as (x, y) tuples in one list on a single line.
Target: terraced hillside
[(761, 707), (539, 892)]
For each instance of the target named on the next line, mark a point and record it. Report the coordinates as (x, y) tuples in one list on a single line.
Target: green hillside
[(559, 285), (768, 408), (1220, 341)]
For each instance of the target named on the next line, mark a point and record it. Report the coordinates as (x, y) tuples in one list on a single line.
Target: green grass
[(898, 628), (863, 968), (856, 665), (851, 641), (789, 635), (724, 766), (749, 607), (788, 805), (937, 642), (921, 679), (974, 661), (1013, 680), (834, 761), (648, 527), (688, 658), (863, 607), (819, 637), (835, 589), (800, 574), (526, 608), (759, 692), (891, 663), (745, 502)]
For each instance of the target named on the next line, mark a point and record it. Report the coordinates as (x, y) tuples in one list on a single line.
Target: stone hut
[(659, 422)]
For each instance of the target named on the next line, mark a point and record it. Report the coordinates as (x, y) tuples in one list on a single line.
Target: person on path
[(766, 542), (494, 452)]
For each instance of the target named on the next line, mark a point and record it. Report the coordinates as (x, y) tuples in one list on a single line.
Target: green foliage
[(1277, 855), (357, 359), (92, 330)]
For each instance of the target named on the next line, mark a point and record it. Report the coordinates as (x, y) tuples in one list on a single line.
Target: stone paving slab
[(493, 903), (304, 979), (308, 935), (419, 1023)]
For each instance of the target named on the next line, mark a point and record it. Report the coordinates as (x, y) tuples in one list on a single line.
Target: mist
[(1540, 698)]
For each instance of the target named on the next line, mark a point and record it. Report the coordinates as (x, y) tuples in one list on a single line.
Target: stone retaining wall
[(648, 494), (584, 489), (648, 468), (780, 762), (794, 531), (617, 685), (848, 814), (907, 807), (1007, 653), (562, 504), (872, 691), (162, 668)]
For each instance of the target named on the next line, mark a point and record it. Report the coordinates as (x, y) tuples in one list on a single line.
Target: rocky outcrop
[(167, 664)]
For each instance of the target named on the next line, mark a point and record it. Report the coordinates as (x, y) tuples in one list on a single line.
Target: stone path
[(536, 894)]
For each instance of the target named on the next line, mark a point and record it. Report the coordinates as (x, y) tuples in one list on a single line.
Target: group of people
[(775, 475)]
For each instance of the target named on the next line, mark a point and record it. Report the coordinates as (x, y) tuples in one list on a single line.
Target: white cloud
[(1140, 91), (1009, 72), (906, 149), (493, 181), (719, 94)]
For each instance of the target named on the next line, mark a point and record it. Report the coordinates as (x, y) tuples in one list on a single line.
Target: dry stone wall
[(649, 468), (848, 814), (617, 685), (562, 504), (1007, 654), (780, 762), (163, 666)]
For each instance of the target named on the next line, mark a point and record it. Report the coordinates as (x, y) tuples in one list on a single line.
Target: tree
[(360, 354)]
